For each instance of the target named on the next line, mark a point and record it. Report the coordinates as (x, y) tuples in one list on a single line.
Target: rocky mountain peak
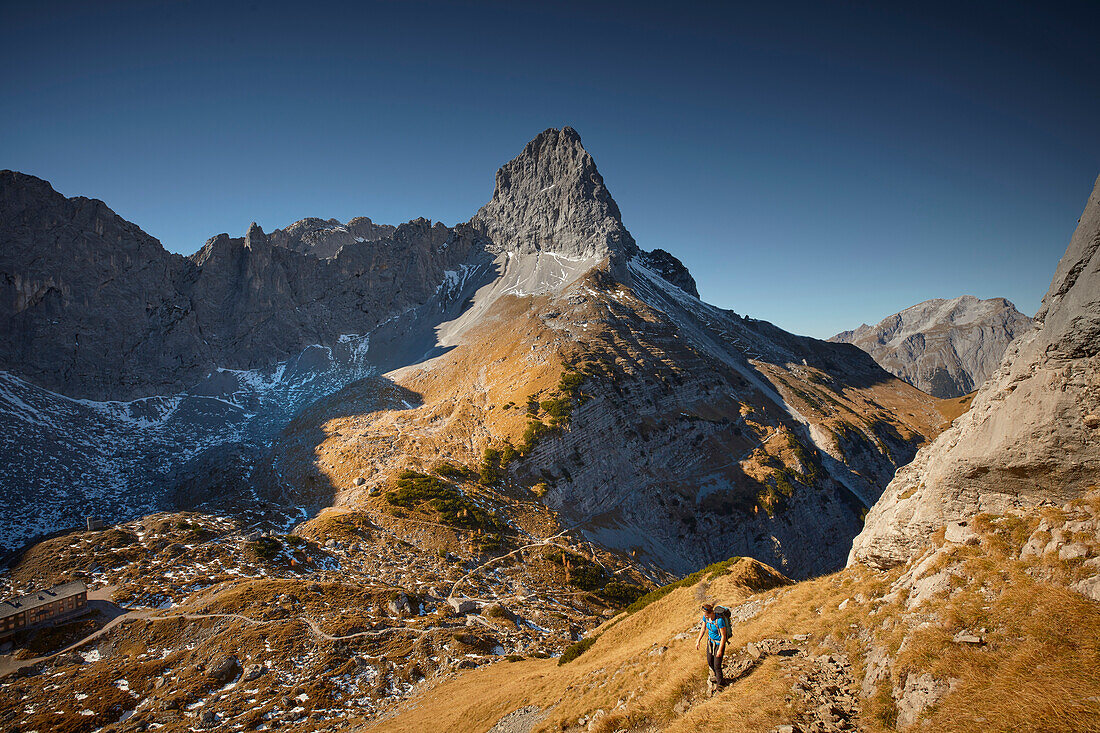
[(947, 348), (1070, 312), (254, 236), (551, 198), (21, 186)]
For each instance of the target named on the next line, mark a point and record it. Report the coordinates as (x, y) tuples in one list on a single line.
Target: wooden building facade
[(53, 604)]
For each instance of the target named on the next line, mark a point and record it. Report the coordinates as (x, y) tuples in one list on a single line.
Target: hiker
[(717, 627)]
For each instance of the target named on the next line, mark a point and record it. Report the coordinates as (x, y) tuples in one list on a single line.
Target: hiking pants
[(714, 661)]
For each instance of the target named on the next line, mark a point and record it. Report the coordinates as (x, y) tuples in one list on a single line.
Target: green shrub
[(454, 472), (414, 490), (265, 548), (809, 460), (534, 432), (575, 650), (488, 541), (620, 594), (490, 471), (570, 383), (582, 573), (495, 611), (557, 408)]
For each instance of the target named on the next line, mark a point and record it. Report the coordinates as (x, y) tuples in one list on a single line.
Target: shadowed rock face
[(93, 307), (87, 303), (947, 348), (1033, 432)]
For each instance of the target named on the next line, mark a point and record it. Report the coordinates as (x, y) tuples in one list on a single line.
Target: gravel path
[(519, 721)]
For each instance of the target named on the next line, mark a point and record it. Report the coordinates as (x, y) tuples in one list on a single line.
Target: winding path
[(10, 665)]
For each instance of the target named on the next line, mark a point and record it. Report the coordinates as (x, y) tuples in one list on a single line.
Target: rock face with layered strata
[(947, 348), (1032, 434)]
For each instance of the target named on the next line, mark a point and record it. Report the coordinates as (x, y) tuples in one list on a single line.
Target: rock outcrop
[(947, 348), (1032, 434), (551, 198)]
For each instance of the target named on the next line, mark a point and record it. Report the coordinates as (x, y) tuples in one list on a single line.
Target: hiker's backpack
[(723, 612)]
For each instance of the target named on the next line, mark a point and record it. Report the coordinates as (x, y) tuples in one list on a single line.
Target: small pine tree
[(490, 472)]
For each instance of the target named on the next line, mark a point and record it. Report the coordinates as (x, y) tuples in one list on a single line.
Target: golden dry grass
[(1038, 670), (953, 407), (618, 667)]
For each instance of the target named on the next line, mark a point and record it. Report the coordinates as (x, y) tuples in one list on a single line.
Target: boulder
[(960, 533), (400, 605), (253, 672), (1072, 551), (463, 605), (224, 669), (966, 638), (919, 693)]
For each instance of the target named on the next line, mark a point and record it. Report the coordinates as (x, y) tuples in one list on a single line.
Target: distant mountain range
[(136, 379), (344, 465), (947, 348)]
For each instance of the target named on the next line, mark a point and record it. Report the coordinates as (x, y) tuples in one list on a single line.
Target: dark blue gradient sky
[(814, 164)]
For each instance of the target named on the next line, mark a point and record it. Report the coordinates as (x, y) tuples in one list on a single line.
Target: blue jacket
[(714, 627)]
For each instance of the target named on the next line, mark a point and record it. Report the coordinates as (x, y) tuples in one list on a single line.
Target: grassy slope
[(622, 658), (1037, 670)]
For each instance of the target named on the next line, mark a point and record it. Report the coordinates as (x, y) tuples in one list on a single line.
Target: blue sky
[(816, 164)]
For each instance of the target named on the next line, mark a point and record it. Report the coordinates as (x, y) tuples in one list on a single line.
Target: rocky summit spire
[(254, 236), (551, 198)]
